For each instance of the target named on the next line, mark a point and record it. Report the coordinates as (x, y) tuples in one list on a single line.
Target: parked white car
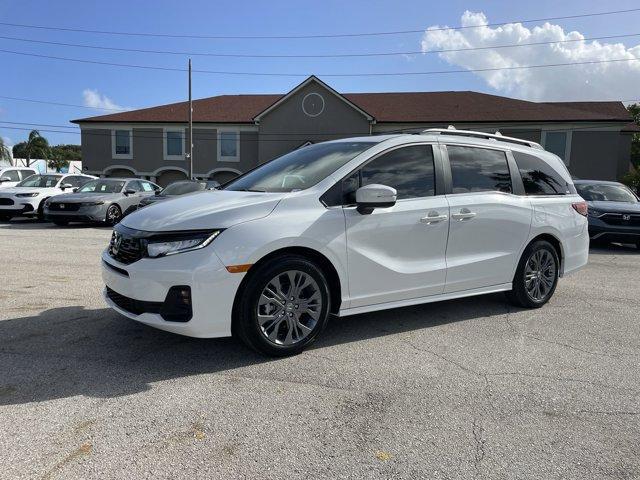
[(347, 227), (11, 176), (28, 196)]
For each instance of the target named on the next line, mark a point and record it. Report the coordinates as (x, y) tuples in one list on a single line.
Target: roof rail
[(489, 136)]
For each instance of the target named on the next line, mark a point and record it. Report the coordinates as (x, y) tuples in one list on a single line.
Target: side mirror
[(64, 186), (5, 179), (75, 189), (375, 196), (130, 191)]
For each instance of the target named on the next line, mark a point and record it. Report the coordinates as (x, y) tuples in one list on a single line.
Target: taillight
[(581, 208)]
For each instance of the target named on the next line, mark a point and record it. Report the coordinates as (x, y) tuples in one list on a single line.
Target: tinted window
[(301, 168), (606, 192), (75, 181), (12, 175), (27, 173), (409, 170), (478, 170), (134, 185), (538, 177), (180, 188)]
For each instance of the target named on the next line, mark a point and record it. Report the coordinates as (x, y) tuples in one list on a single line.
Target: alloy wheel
[(540, 275), (113, 215), (289, 308)]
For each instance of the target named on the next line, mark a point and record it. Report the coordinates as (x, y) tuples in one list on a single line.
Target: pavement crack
[(478, 436)]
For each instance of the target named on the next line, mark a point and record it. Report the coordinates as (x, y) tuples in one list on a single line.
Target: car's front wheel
[(114, 214), (283, 306), (536, 278)]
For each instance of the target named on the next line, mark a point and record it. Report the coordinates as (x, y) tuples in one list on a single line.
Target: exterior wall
[(597, 155), (287, 126), (96, 149)]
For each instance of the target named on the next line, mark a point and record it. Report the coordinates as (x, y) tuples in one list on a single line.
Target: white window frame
[(236, 158), (127, 156), (164, 142), (567, 146)]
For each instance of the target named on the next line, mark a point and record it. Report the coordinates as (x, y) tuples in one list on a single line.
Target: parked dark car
[(179, 188), (614, 211)]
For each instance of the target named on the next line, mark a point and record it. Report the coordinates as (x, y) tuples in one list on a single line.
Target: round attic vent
[(312, 104)]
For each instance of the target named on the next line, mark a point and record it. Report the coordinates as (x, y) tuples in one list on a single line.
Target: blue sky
[(64, 82)]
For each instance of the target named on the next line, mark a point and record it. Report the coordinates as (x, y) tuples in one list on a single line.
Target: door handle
[(465, 214), (433, 217)]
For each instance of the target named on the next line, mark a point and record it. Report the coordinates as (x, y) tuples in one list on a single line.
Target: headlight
[(33, 194), (179, 243), (594, 213), (91, 204)]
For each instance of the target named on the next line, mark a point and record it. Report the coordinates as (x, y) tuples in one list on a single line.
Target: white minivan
[(346, 227)]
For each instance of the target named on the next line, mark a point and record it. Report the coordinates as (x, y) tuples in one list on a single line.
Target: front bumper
[(213, 290), (21, 206), (600, 230), (90, 213)]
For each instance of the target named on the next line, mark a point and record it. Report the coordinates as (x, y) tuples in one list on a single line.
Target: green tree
[(634, 110), (5, 154), (36, 146), (61, 155)]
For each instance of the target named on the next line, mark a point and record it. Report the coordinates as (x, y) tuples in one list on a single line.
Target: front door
[(398, 253), (489, 224)]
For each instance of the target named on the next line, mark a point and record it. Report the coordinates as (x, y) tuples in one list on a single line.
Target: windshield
[(40, 181), (300, 169), (102, 186), (180, 188), (602, 192)]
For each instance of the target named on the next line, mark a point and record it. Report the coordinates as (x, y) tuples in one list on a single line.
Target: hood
[(86, 197), (615, 207), (206, 210), (14, 190)]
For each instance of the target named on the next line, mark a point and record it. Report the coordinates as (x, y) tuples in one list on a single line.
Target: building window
[(173, 144), (228, 145), (558, 143), (122, 143)]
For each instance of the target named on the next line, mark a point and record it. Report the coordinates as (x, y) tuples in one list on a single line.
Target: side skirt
[(430, 299)]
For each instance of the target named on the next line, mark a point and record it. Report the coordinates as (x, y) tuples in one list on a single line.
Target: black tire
[(638, 245), (520, 296), (246, 326), (61, 223), (40, 212), (113, 215), (5, 218)]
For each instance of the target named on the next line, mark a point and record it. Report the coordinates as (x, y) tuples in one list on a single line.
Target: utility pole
[(190, 127)]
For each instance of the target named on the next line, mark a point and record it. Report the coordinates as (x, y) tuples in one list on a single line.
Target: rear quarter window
[(539, 178)]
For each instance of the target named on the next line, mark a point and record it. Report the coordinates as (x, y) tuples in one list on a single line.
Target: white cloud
[(94, 99), (603, 81)]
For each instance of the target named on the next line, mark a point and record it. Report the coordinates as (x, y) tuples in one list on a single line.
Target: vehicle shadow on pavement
[(614, 248), (31, 224), (69, 351)]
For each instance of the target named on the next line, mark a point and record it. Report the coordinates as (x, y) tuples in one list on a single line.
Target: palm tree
[(35, 146), (5, 154)]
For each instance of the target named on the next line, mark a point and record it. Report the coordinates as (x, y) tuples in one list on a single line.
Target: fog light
[(177, 304)]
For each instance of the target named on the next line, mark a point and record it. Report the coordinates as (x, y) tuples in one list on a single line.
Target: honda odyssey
[(347, 227)]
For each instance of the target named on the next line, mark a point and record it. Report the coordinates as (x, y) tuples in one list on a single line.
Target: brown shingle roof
[(423, 107)]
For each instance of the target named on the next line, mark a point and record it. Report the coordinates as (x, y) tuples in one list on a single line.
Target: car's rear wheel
[(536, 278), (283, 306), (114, 214), (40, 213)]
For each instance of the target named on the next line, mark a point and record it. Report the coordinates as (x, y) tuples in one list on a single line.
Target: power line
[(61, 104), (280, 74), (324, 55), (298, 37)]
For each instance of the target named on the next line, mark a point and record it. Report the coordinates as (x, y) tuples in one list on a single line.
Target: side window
[(134, 185), (409, 170), (76, 180), (538, 177), (12, 175), (27, 173), (147, 187), (478, 170)]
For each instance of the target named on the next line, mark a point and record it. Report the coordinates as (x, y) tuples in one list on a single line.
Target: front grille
[(125, 248), (64, 207), (131, 305), (619, 219), (6, 201)]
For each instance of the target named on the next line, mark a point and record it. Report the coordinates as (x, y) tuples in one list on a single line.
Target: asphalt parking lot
[(463, 389)]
